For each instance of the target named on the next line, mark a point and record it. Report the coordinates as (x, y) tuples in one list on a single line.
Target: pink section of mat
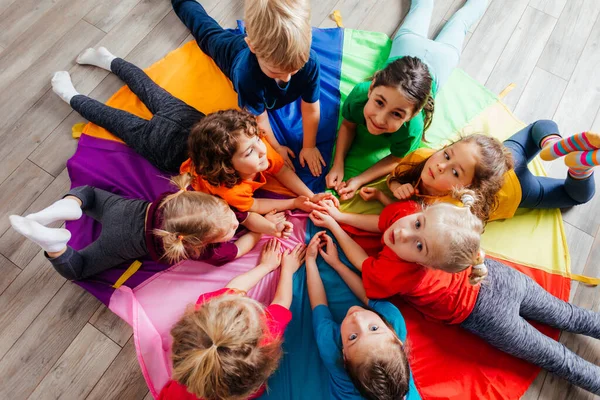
[(155, 305)]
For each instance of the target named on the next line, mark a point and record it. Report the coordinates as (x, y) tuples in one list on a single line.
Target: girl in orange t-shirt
[(230, 158), (498, 172), (432, 258)]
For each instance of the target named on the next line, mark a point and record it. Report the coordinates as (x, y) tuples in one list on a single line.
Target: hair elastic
[(467, 200), (479, 261), (180, 237)]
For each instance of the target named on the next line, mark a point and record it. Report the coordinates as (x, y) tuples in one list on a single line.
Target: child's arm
[(354, 282), (273, 223), (290, 262), (356, 254), (310, 154), (285, 152), (381, 168), (344, 140), (246, 243), (270, 258), (366, 222), (370, 193), (314, 283)]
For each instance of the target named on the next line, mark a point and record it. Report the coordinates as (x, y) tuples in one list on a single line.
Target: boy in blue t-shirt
[(364, 355), (270, 67)]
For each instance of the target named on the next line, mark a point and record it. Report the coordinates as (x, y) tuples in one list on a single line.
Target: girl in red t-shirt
[(426, 258), (227, 345)]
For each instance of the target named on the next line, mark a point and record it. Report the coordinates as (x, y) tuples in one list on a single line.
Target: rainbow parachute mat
[(151, 296)]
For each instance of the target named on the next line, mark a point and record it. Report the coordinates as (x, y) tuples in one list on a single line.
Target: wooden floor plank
[(575, 23), (123, 379), (8, 273), (111, 325), (580, 244), (20, 16), (550, 7), (79, 368), (109, 13), (518, 60), (20, 189), (438, 17), (491, 36), (540, 97), (320, 11), (353, 12), (18, 248), (43, 343), (394, 10)]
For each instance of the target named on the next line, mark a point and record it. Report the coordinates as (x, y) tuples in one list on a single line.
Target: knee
[(583, 197), (543, 128)]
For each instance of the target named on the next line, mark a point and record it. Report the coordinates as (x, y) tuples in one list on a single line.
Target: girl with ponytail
[(386, 118), (432, 258), (176, 226), (227, 345)]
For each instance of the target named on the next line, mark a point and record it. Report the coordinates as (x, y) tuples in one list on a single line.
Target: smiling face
[(364, 332), (386, 110), (451, 167), (250, 157), (411, 238)]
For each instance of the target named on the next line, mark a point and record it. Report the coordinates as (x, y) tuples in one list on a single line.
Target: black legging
[(163, 139)]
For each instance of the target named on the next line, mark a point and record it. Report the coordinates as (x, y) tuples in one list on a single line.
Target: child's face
[(453, 166), (411, 238), (231, 225), (250, 157), (386, 110), (364, 332)]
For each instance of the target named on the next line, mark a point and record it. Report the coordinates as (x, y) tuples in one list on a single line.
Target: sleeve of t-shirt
[(408, 138), (325, 330), (391, 313), (240, 196), (352, 109), (204, 297), (278, 318), (312, 79), (219, 253), (275, 160), (241, 216)]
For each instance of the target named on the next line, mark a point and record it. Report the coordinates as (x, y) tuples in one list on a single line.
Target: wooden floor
[(58, 341)]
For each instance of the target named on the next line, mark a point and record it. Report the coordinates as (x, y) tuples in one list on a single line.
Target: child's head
[(226, 147), (442, 236), (279, 33), (374, 355), (191, 220), (220, 349), (477, 162), (398, 93)]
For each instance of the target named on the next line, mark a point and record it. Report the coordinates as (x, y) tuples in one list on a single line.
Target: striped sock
[(581, 163), (553, 148)]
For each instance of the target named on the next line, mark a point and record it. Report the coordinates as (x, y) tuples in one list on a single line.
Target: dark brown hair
[(411, 76), (494, 161), (382, 376), (214, 140)]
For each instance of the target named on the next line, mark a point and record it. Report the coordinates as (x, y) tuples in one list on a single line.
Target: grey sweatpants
[(506, 298), (122, 238), (163, 139)]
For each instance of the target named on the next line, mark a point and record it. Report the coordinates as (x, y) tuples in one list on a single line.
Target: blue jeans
[(541, 191), (442, 54)]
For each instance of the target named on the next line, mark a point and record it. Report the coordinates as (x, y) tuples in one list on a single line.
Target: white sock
[(49, 239), (63, 86), (62, 210), (101, 57)]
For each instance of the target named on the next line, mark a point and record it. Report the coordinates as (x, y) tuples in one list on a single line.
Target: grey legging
[(163, 139), (506, 298), (122, 238)]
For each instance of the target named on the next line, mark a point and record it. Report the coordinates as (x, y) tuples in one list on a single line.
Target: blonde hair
[(279, 31), (191, 220), (220, 349), (457, 244)]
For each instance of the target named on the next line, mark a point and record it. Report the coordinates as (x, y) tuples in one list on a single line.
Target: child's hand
[(404, 191), (330, 208), (312, 251), (329, 251), (285, 153), (305, 204), (312, 156), (323, 220), (348, 189), (370, 193), (317, 198), (293, 259), (270, 255), (282, 228), (335, 177)]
